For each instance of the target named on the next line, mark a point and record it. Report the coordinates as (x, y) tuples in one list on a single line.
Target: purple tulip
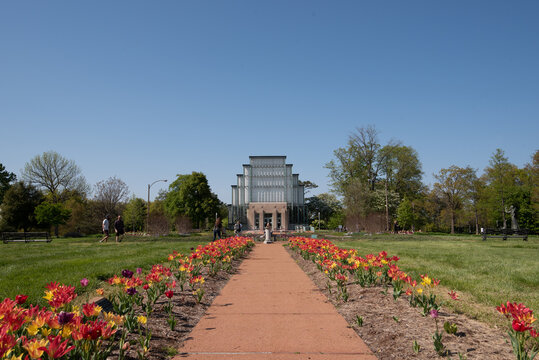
[(65, 318), (127, 274), (131, 291), (84, 282), (434, 313)]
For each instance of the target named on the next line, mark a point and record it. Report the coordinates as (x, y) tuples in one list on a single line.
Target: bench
[(504, 234), (25, 237)]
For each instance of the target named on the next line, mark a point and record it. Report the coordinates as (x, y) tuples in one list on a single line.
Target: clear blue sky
[(145, 90)]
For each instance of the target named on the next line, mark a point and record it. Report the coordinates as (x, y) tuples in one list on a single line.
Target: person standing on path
[(217, 229), (105, 228), (268, 234), (119, 228), (237, 228)]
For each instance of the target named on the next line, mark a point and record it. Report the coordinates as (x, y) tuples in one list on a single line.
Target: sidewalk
[(272, 310)]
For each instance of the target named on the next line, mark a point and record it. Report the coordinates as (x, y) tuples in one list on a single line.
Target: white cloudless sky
[(148, 90)]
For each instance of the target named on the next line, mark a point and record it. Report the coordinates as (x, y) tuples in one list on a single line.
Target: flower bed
[(398, 316), (65, 331)]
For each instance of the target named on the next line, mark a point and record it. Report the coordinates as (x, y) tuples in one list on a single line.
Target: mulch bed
[(390, 327)]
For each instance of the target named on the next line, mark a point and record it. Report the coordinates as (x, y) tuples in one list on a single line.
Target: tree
[(6, 178), (307, 185), (476, 193), (55, 174), (401, 171), (499, 179), (326, 204), (109, 193), (453, 187), (20, 201), (336, 219), (191, 195), (135, 214), (406, 216), (359, 160), (52, 214)]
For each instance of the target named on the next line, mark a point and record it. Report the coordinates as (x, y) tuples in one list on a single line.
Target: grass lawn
[(485, 273), (25, 268)]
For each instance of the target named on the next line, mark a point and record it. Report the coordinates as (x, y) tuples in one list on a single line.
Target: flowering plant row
[(344, 265), (340, 265), (63, 330)]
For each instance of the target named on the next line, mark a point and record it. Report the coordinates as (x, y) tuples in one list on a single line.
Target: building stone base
[(258, 212)]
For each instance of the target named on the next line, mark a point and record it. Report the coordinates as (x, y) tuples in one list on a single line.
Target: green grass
[(25, 268), (485, 273)]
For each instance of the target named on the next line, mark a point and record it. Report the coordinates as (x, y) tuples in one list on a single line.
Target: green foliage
[(450, 328), (135, 214), (335, 220), (51, 214), (507, 186), (319, 224), (191, 195), (416, 347), (406, 216), (20, 201), (6, 178), (326, 204)]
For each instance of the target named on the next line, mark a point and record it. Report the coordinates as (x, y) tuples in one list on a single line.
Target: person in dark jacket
[(217, 229), (119, 228)]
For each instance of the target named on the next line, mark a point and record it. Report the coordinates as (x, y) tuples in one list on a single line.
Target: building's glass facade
[(268, 191)]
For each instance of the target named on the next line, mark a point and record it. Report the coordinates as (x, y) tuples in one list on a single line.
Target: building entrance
[(268, 218)]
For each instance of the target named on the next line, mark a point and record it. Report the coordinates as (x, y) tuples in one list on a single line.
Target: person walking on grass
[(105, 228), (217, 229), (119, 229)]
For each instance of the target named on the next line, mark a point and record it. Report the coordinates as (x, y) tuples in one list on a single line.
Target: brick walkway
[(272, 310)]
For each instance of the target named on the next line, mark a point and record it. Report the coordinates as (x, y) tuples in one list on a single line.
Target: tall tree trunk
[(452, 221), (413, 214), (476, 223), (503, 212)]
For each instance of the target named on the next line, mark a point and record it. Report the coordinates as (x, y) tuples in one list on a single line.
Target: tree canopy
[(49, 214), (55, 174), (109, 193), (6, 178), (20, 201), (191, 195)]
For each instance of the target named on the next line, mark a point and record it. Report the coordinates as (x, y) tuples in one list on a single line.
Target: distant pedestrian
[(119, 228), (267, 233), (237, 228), (105, 227), (217, 229)]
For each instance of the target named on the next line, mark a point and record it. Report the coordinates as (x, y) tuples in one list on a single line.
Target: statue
[(514, 223)]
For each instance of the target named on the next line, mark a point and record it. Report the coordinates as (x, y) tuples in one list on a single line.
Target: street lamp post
[(319, 221), (148, 212)]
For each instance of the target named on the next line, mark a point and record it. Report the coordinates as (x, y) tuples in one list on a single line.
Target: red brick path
[(272, 310)]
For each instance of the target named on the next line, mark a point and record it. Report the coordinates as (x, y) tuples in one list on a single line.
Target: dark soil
[(390, 327)]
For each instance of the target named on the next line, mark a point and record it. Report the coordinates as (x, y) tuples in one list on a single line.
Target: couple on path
[(118, 228)]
